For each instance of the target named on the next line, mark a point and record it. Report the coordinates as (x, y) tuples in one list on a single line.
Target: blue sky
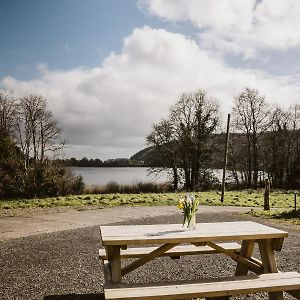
[(110, 69), (66, 34)]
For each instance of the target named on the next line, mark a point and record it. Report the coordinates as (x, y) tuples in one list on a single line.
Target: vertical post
[(225, 158), (269, 264), (295, 201), (267, 195), (114, 258)]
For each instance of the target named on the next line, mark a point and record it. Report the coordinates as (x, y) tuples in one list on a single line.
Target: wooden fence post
[(225, 158), (267, 195)]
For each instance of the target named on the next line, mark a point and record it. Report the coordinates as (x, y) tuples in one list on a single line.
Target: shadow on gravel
[(75, 297)]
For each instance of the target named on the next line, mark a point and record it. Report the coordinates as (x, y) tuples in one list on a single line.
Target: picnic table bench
[(207, 238)]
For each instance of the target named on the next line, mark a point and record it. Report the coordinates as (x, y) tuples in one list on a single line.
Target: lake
[(122, 175)]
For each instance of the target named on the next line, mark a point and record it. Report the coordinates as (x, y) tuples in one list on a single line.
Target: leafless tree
[(195, 117), (184, 137), (37, 130), (8, 111), (281, 146), (251, 115), (162, 138)]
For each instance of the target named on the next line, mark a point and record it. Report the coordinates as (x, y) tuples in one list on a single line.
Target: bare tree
[(8, 111), (195, 117), (252, 116), (28, 132), (37, 130), (162, 138), (281, 147), (182, 141)]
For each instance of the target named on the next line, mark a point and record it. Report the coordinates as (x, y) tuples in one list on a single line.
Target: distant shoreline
[(139, 166)]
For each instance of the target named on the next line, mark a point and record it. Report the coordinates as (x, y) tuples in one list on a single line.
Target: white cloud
[(236, 26), (108, 110)]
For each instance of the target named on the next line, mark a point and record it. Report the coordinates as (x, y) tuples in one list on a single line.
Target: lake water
[(122, 175)]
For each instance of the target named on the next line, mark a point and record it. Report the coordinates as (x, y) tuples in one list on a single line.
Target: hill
[(217, 144)]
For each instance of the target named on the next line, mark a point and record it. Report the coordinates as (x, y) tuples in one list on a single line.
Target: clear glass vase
[(190, 222)]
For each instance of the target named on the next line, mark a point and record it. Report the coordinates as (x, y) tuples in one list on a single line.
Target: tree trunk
[(175, 178), (187, 183), (249, 179), (267, 195), (255, 163), (225, 158)]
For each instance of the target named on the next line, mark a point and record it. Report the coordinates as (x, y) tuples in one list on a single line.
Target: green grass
[(278, 199), (291, 216)]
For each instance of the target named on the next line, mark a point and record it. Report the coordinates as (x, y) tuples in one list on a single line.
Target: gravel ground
[(64, 265), (36, 221)]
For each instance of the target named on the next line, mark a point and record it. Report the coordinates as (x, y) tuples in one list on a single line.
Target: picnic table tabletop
[(174, 233)]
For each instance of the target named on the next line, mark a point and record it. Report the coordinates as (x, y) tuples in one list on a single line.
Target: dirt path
[(33, 224)]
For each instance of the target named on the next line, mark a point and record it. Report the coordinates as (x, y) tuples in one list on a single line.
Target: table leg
[(114, 258), (269, 264), (246, 251)]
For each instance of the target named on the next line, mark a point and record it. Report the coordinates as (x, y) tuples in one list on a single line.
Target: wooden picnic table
[(206, 238)]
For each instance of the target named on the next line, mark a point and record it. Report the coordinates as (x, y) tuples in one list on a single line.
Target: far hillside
[(217, 143)]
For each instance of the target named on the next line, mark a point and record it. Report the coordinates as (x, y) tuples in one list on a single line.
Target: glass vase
[(190, 222)]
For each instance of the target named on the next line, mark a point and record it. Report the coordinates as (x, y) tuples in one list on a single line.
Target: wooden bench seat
[(239, 285), (174, 252)]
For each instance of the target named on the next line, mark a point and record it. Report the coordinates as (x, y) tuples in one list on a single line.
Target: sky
[(112, 68)]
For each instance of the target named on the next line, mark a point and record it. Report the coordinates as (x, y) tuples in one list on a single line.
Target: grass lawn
[(291, 216), (278, 199)]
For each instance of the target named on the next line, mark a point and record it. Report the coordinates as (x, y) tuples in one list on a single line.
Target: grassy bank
[(290, 215), (278, 199)]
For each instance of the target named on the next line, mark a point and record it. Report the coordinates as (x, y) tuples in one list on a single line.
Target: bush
[(44, 179)]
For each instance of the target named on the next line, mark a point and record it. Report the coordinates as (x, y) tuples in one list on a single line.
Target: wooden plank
[(259, 264), (107, 272), (141, 261), (207, 288), (173, 233), (176, 251), (267, 256), (246, 251), (252, 265), (277, 244), (114, 258), (269, 263)]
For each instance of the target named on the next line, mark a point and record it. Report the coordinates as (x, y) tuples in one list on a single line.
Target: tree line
[(98, 163), (29, 137), (271, 146), (264, 142)]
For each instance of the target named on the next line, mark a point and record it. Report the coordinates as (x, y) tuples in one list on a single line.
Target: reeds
[(135, 188)]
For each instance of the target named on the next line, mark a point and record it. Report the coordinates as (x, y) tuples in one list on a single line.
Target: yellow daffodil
[(180, 205), (189, 206)]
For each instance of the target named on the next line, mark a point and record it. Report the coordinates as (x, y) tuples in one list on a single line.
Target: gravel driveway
[(64, 265)]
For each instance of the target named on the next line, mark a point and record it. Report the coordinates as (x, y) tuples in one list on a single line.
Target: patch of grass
[(292, 216), (248, 198)]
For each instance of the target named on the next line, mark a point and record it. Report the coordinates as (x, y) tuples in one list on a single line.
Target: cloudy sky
[(111, 68)]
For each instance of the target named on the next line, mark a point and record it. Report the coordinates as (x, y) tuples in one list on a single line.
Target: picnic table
[(171, 240)]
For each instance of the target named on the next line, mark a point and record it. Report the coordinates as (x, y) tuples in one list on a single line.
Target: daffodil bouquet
[(189, 205)]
